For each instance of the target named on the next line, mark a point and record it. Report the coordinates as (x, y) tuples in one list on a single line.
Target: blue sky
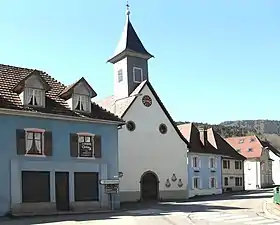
[(214, 60)]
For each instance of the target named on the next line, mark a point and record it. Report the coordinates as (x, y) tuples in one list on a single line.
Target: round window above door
[(130, 125)]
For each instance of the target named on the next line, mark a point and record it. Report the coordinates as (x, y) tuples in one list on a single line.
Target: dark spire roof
[(130, 43)]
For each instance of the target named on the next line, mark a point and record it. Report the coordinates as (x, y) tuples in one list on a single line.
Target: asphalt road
[(231, 209)]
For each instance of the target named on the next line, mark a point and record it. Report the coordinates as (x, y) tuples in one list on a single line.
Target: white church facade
[(152, 150)]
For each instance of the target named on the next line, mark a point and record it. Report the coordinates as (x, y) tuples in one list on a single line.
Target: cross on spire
[(127, 8)]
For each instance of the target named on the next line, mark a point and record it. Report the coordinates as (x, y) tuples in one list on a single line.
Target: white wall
[(275, 168), (147, 149), (255, 174), (251, 174), (120, 88)]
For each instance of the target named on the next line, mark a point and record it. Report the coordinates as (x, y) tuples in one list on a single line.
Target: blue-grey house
[(204, 163), (56, 145)]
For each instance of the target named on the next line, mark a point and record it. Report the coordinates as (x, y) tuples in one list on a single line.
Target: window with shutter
[(196, 183), (85, 145), (226, 181), (212, 182), (34, 142), (211, 162), (195, 162), (200, 183)]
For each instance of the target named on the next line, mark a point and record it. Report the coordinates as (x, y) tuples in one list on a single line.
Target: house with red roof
[(207, 156), (258, 164), (204, 163), (232, 163)]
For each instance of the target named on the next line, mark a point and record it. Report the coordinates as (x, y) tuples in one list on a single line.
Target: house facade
[(258, 164), (204, 163), (232, 163), (273, 143), (56, 145), (150, 142)]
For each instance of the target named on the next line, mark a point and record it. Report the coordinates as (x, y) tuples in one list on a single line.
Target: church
[(152, 150)]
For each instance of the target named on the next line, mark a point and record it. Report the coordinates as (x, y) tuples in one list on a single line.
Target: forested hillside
[(226, 131)]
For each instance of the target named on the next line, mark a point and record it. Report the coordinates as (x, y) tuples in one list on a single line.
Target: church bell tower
[(130, 61)]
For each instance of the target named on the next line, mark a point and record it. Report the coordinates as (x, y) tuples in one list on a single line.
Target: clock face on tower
[(147, 101)]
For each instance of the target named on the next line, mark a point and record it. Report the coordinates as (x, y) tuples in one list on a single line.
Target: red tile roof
[(243, 144), (10, 76), (222, 145), (192, 134)]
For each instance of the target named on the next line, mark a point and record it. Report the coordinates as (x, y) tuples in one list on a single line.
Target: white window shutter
[(193, 183), (200, 183), (209, 182), (216, 183), (199, 162), (216, 162), (209, 162), (192, 161)]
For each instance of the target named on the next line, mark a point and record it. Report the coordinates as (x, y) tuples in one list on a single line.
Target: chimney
[(203, 135)]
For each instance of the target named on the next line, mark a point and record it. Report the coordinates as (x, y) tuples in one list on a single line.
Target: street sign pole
[(111, 188)]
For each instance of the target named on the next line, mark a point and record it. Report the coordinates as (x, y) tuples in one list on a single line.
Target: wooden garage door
[(35, 186), (86, 186)]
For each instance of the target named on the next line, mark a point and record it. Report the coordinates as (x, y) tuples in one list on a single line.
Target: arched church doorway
[(149, 186)]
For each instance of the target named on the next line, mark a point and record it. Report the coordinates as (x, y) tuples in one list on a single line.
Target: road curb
[(267, 213)]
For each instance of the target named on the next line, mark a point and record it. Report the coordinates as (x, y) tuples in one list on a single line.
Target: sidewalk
[(272, 209)]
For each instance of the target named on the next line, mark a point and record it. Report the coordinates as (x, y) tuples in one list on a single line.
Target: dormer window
[(32, 89), (81, 103), (33, 97), (79, 95)]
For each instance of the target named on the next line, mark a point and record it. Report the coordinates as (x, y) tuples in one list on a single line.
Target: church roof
[(120, 107), (129, 43)]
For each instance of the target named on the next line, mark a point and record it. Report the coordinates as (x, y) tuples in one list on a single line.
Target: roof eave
[(128, 52), (58, 117)]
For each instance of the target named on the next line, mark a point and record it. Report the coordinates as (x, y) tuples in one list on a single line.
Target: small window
[(162, 128), (212, 182), (238, 150), (241, 141), (81, 103), (130, 125), (196, 182), (238, 181), (212, 162), (195, 162), (250, 149), (120, 75), (137, 75), (226, 164), (238, 165), (226, 181), (34, 97), (34, 143), (85, 146), (252, 139)]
